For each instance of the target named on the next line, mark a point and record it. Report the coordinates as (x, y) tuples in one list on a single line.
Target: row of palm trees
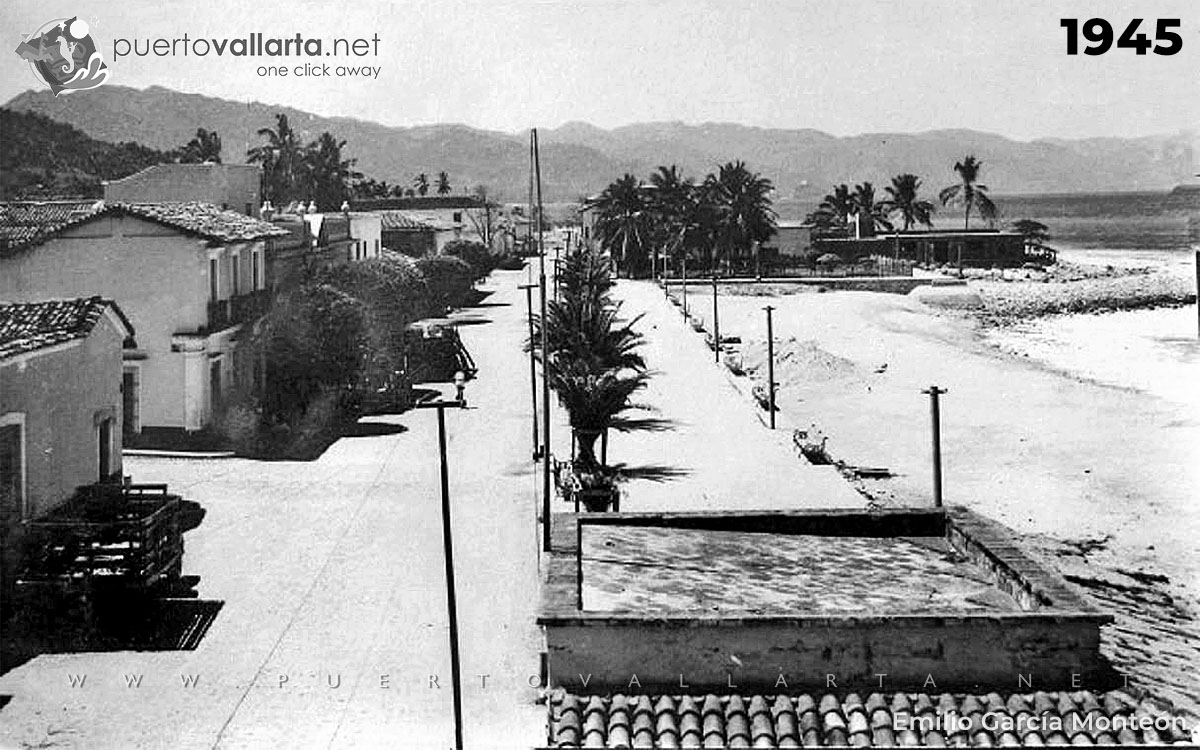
[(903, 201), (720, 218), (592, 363), (297, 171)]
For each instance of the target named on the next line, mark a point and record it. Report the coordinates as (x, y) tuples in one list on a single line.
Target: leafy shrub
[(449, 281), (474, 254)]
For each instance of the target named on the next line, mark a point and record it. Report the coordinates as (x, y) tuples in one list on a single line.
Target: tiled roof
[(29, 222), (28, 326), (24, 223), (879, 720), (204, 219), (398, 221), (418, 202)]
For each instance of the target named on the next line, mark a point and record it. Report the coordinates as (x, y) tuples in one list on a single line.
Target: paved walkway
[(728, 459), (331, 574)]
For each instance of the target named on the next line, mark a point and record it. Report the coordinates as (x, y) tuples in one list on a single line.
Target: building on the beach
[(186, 274), (792, 239), (974, 247), (233, 187)]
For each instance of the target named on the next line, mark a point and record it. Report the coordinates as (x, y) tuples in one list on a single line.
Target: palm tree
[(622, 222), (744, 214), (329, 174), (902, 199), (421, 183), (282, 158), (968, 192), (668, 197), (834, 210), (205, 147), (864, 204), (443, 185)]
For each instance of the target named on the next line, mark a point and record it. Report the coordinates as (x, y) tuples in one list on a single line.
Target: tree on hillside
[(968, 193), (205, 147), (329, 174), (421, 183), (282, 159), (864, 203), (903, 198), (744, 213), (622, 222), (834, 210), (443, 185)]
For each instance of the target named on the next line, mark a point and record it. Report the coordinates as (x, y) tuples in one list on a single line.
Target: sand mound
[(797, 362)]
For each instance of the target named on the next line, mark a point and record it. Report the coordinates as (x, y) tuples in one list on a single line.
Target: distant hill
[(579, 159), (40, 157)]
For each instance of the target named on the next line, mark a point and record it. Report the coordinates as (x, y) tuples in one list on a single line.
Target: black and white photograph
[(532, 374)]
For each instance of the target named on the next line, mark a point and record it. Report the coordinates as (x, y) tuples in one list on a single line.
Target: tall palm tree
[(622, 222), (329, 174), (668, 199), (282, 158), (744, 209), (443, 186), (421, 183), (864, 203), (968, 192), (903, 198), (834, 210)]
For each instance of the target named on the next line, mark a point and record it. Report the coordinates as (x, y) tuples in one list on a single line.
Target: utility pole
[(685, 310), (770, 366), (537, 169), (532, 365), (716, 322), (936, 418)]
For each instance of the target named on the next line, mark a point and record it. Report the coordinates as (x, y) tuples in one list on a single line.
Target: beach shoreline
[(1098, 478)]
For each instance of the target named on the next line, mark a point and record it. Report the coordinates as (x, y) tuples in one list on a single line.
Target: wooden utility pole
[(537, 170), (770, 366), (532, 365), (716, 322)]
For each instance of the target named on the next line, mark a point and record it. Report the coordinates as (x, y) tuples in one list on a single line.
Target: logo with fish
[(63, 55)]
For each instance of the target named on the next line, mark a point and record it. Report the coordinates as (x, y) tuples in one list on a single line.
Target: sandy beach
[(1102, 479)]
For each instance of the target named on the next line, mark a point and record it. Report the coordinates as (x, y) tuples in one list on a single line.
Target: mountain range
[(578, 159)]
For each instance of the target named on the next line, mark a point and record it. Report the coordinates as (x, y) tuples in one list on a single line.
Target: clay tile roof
[(787, 721), (398, 221), (24, 223), (204, 219), (29, 326)]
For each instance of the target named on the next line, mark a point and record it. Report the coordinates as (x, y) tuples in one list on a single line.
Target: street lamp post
[(448, 547), (532, 365), (936, 418)]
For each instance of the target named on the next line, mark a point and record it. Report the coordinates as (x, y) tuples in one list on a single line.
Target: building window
[(105, 447), (214, 379), (256, 269), (235, 278), (458, 217), (249, 209), (214, 279), (12, 467), (131, 401), (376, 248)]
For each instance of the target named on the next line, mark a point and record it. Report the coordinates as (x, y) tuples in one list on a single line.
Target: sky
[(847, 67)]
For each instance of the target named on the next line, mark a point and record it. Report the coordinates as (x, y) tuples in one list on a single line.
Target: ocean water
[(1155, 351)]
